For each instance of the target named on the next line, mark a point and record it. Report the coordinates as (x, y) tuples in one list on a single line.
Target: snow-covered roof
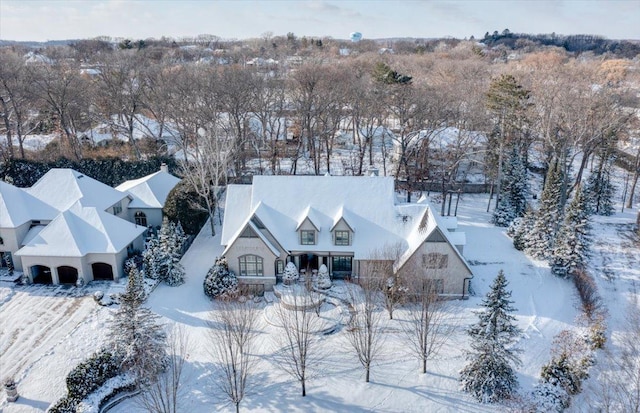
[(281, 203), (62, 187), (150, 191), (82, 230), (18, 207)]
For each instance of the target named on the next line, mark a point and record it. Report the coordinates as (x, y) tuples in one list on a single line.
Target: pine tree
[(150, 261), (600, 191), (573, 240), (162, 255), (540, 240), (219, 281), (520, 228), (513, 192), (489, 376), (136, 335)]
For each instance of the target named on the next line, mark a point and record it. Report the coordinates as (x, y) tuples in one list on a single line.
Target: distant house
[(149, 195), (344, 223), (69, 227)]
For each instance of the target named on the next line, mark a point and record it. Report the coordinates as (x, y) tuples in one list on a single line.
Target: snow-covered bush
[(547, 397), (219, 281), (92, 373), (323, 281), (161, 257), (64, 405), (290, 274)]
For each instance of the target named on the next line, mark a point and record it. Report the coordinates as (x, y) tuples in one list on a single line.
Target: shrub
[(290, 273), (323, 281), (219, 281), (548, 397), (92, 373), (64, 405)]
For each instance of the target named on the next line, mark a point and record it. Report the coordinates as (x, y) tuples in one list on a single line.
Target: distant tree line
[(576, 43)]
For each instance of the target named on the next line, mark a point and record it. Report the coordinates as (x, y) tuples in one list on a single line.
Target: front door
[(308, 262)]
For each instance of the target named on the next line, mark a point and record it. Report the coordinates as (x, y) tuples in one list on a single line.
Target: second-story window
[(307, 237), (342, 237)]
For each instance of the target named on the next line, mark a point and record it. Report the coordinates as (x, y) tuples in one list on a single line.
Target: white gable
[(18, 207), (150, 191), (62, 187)]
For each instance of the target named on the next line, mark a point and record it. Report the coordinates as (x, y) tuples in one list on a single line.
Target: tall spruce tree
[(600, 190), (508, 103), (136, 335), (514, 189), (489, 375), (573, 240), (541, 239)]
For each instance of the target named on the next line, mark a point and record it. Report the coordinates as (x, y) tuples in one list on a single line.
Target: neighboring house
[(149, 196), (63, 187), (80, 243), (342, 222), (68, 227), (19, 213)]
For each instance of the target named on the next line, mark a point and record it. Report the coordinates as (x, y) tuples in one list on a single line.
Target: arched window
[(141, 219), (251, 265)]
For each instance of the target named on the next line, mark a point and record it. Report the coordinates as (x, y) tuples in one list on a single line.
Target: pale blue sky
[(67, 19)]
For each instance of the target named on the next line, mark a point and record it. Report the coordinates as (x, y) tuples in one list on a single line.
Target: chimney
[(164, 168)]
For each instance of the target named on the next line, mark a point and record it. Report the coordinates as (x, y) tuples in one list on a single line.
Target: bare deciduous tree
[(364, 330), (298, 348), (428, 327), (233, 339), (163, 394), (618, 387)]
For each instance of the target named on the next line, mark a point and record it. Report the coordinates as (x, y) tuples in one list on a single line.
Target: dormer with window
[(308, 229), (342, 232)]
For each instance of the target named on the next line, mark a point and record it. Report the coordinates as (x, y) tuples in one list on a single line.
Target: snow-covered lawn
[(46, 331)]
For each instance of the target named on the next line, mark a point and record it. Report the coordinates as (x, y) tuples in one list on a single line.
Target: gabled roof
[(430, 227), (82, 230), (345, 216), (150, 191), (18, 207), (311, 215), (63, 187), (281, 202)]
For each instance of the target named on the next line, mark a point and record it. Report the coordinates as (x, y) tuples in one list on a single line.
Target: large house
[(342, 222), (69, 227)]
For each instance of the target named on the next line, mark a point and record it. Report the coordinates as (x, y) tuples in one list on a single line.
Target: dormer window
[(307, 237), (342, 238), (117, 208)]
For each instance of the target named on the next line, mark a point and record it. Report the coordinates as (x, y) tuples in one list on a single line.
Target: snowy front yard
[(46, 331)]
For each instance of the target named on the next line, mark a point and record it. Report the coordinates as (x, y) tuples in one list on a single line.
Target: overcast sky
[(72, 19)]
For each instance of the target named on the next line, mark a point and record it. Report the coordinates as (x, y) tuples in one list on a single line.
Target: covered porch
[(340, 265)]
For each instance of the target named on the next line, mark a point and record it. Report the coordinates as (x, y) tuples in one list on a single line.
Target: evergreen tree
[(573, 240), (540, 240), (219, 281), (600, 191), (136, 335), (489, 376), (150, 258), (514, 189), (520, 228)]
